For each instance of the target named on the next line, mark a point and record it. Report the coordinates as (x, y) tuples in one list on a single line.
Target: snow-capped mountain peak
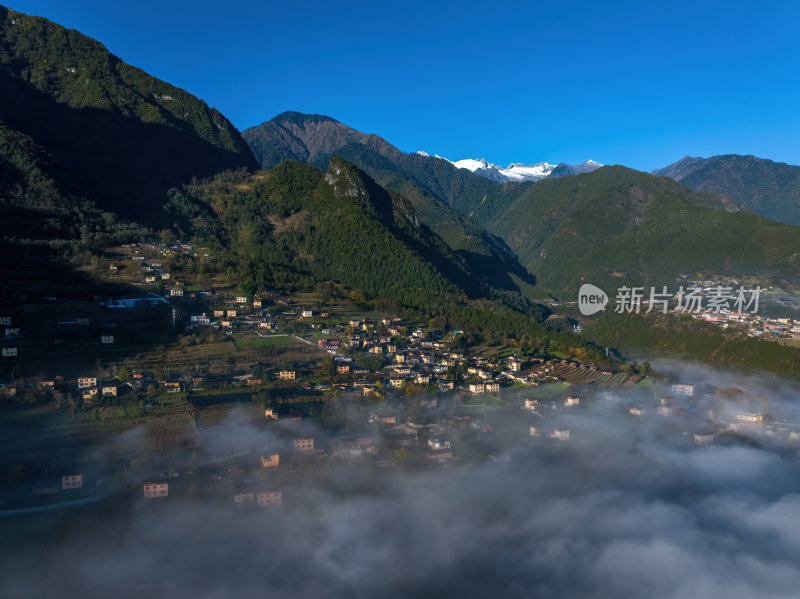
[(527, 172), (517, 171), (473, 165)]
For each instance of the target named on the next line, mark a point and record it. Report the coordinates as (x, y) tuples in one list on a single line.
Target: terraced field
[(580, 374)]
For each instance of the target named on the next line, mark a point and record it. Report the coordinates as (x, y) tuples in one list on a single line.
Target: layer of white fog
[(630, 506)]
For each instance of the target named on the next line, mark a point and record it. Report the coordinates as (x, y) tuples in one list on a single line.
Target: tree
[(167, 236), (248, 288), (328, 367), (124, 374)]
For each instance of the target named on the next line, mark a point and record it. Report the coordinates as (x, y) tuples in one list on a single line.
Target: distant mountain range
[(618, 226), (92, 147), (768, 188), (519, 171), (610, 225)]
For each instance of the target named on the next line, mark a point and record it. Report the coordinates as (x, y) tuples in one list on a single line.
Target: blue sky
[(635, 83)]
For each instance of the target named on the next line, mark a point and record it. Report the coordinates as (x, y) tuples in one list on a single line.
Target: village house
[(329, 344), (108, 391), (287, 375), (176, 292), (492, 387), (156, 490), (703, 438), (562, 434), (86, 382), (256, 303), (438, 443), (477, 387), (438, 450), (750, 418), (637, 411), (306, 313), (72, 481), (269, 414), (107, 339), (343, 369), (241, 299), (88, 394), (219, 313), (514, 364), (531, 404), (304, 445), (571, 402), (244, 498), (266, 498), (231, 313), (273, 460)]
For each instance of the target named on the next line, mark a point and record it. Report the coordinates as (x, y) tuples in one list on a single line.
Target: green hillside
[(444, 196), (296, 224), (654, 336), (617, 225), (41, 218)]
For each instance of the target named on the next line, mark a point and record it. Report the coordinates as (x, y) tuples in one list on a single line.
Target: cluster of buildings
[(755, 325)]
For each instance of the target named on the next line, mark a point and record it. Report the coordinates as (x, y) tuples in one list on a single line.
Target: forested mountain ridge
[(439, 191), (618, 226), (315, 139), (770, 189), (111, 134), (295, 224)]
